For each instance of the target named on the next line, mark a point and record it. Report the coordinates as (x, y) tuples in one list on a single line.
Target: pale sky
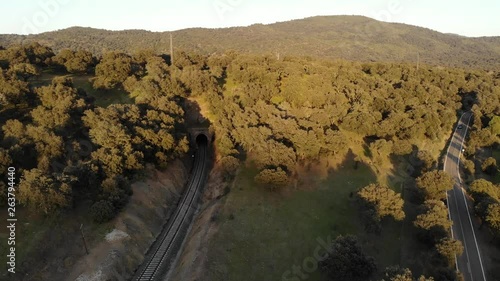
[(469, 18)]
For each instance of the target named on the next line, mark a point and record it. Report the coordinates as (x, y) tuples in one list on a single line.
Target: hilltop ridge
[(356, 38)]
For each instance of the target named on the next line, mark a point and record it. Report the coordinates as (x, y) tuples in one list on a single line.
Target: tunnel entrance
[(201, 139), (198, 136)]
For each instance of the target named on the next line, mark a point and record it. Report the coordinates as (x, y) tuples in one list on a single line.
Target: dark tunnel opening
[(201, 139)]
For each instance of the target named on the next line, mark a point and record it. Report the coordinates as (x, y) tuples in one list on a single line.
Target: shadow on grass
[(103, 98), (416, 254), (262, 234)]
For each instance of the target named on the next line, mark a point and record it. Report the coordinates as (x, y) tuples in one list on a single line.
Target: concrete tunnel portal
[(200, 136), (201, 139)]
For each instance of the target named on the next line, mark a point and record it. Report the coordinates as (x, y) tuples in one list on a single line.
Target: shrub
[(102, 211)]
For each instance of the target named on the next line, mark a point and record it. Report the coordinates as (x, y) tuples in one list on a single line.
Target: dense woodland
[(67, 149), (282, 113), (273, 113), (333, 37)]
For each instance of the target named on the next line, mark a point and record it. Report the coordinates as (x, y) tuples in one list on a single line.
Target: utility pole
[(418, 60), (171, 50), (83, 238)]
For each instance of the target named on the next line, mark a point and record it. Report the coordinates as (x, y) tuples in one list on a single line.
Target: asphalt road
[(460, 208)]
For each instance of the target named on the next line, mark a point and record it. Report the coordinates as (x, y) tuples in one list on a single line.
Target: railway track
[(166, 245)]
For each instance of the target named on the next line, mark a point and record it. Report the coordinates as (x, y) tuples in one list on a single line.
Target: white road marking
[(474, 234), (453, 136), (461, 146), (463, 234), (444, 169), (465, 200)]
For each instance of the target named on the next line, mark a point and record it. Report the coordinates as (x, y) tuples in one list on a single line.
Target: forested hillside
[(286, 112), (274, 114), (334, 37), (68, 150)]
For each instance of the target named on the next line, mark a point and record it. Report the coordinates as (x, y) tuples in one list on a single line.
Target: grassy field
[(103, 98), (263, 234), (29, 233), (36, 235)]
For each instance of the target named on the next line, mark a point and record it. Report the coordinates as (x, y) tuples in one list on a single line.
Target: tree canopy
[(450, 248), (347, 261), (384, 200), (436, 215), (66, 148), (80, 61), (435, 184), (112, 70)]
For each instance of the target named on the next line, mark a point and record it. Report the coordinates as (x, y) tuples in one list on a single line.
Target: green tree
[(23, 71), (384, 200), (426, 160), (128, 135), (435, 184), (470, 167), (495, 125), (48, 145), (273, 178), (116, 189), (229, 165), (436, 215), (5, 160), (481, 187), (480, 138), (396, 273), (481, 205), (449, 248), (402, 147), (51, 119), (63, 56), (12, 90), (347, 261), (116, 153), (489, 166), (62, 106), (14, 130), (493, 217), (112, 70), (32, 53), (80, 61), (158, 88), (380, 149), (42, 192), (102, 211), (62, 94)]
